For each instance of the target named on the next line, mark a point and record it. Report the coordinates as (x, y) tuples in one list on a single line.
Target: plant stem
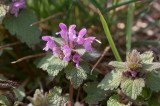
[(129, 27), (28, 57), (70, 94)]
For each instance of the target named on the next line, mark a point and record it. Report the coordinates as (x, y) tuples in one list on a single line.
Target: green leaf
[(55, 98), (52, 64), (111, 80), (119, 65), (80, 50), (153, 80), (3, 11), (20, 26), (20, 93), (58, 41), (147, 57), (88, 56), (94, 94), (109, 37), (113, 101), (93, 76), (77, 75), (4, 101), (146, 93), (154, 101), (132, 88), (151, 66)]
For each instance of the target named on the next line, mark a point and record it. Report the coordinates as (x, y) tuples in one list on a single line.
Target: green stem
[(129, 27)]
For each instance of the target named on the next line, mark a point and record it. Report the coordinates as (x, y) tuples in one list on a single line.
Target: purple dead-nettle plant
[(17, 5), (132, 76), (71, 42)]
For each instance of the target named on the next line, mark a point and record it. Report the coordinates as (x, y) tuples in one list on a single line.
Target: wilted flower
[(16, 6), (71, 41)]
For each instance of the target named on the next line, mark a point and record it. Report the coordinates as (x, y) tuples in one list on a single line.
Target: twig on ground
[(127, 97), (10, 44), (101, 57), (48, 18), (28, 57)]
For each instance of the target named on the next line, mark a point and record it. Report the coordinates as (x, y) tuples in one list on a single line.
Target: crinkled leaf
[(4, 101), (58, 41), (77, 75), (132, 88), (56, 99), (52, 64), (20, 26), (88, 56), (94, 94), (113, 101), (151, 66), (3, 11), (80, 50), (147, 57), (20, 93), (111, 80), (119, 65), (153, 80)]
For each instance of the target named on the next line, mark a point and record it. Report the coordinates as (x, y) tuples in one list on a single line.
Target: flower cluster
[(134, 66), (71, 41), (17, 4)]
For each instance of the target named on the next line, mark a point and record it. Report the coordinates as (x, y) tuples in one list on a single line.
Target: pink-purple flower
[(50, 45), (76, 59), (71, 41), (66, 52), (17, 5), (87, 44)]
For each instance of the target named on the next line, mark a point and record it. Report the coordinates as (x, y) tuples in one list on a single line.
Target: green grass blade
[(90, 19), (148, 26), (115, 2), (145, 11), (145, 42), (118, 5), (109, 37), (95, 3), (129, 27)]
